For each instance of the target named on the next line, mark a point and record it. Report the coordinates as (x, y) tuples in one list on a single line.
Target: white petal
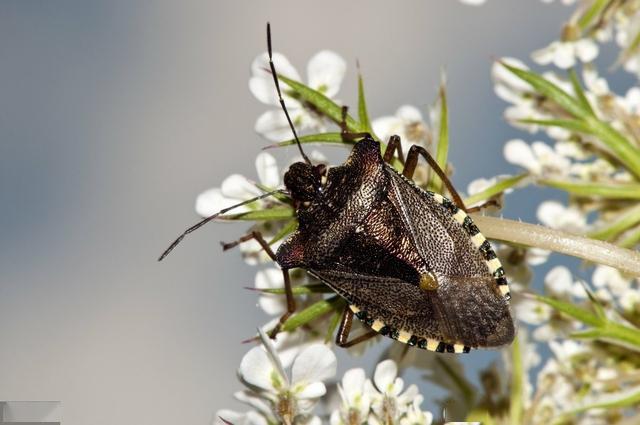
[(559, 280), (517, 152), (564, 55), (325, 72), (386, 127), (238, 187), (273, 125), (313, 390), (545, 55), (212, 201), (256, 368), (478, 185), (267, 168), (315, 363), (532, 312), (385, 374), (261, 83), (269, 279), (586, 49), (252, 399), (409, 114), (352, 382), (473, 2), (549, 212)]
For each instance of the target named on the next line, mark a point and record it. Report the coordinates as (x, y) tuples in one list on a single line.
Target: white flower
[(389, 402), (415, 415), (293, 396), (407, 123), (605, 276), (325, 72), (555, 215), (237, 188), (539, 159), (354, 408), (563, 54), (226, 416)]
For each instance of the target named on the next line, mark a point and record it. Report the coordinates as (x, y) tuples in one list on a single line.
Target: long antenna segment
[(284, 108)]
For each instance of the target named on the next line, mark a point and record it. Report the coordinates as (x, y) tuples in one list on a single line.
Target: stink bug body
[(410, 263)]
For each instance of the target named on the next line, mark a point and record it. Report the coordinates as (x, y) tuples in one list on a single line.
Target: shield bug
[(410, 263)]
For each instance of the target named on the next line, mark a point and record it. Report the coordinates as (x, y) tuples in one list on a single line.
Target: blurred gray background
[(115, 115)]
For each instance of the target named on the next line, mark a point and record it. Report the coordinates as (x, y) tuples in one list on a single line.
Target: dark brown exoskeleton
[(410, 263)]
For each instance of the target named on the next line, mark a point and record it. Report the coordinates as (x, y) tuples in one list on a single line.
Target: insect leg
[(393, 145), (345, 329), (291, 301), (346, 134), (412, 162)]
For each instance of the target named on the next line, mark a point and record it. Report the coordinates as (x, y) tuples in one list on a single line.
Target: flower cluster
[(276, 396), (585, 143)]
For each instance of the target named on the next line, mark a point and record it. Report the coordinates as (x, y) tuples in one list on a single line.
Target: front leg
[(291, 301)]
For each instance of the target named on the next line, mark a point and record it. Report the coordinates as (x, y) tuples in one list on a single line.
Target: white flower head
[(325, 72), (408, 123), (539, 159), (389, 402), (355, 400), (557, 216), (289, 396), (564, 54)]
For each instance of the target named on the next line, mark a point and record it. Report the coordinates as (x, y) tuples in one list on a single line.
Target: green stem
[(532, 235), (517, 377)]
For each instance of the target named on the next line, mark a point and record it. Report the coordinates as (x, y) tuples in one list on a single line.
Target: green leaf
[(363, 115), (312, 312), (442, 151), (279, 196), (494, 190), (571, 310), (313, 288), (577, 88), (550, 90), (624, 398), (594, 10), (289, 227), (321, 102), (571, 125), (589, 189), (333, 138), (623, 221), (624, 150), (275, 213), (630, 240)]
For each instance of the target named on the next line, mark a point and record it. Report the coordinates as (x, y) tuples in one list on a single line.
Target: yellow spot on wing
[(458, 348)]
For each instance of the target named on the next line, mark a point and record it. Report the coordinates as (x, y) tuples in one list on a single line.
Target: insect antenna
[(214, 216), (284, 108)]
